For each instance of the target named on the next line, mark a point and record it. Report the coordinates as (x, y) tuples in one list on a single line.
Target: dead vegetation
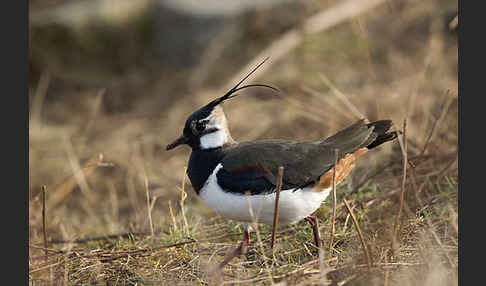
[(118, 210)]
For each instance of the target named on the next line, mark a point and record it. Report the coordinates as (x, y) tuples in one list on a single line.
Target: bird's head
[(207, 127)]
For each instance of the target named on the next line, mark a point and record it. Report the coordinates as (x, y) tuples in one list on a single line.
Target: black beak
[(177, 142)]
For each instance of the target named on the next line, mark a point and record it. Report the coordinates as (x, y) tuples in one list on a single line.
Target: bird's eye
[(198, 126)]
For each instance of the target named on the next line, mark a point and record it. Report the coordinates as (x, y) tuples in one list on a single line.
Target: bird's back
[(253, 166)]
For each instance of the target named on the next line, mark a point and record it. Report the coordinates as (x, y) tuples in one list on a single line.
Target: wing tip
[(380, 128)]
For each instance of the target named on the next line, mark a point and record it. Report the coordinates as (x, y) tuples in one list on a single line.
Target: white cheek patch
[(216, 121), (214, 139)]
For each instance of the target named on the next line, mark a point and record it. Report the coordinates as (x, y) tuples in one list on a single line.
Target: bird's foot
[(312, 220), (242, 249)]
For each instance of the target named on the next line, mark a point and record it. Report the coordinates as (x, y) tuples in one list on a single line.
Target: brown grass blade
[(66, 188), (181, 202), (44, 221), (402, 192), (149, 208), (437, 122), (171, 214), (361, 237), (334, 204), (277, 198)]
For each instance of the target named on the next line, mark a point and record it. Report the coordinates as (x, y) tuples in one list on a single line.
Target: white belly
[(293, 205)]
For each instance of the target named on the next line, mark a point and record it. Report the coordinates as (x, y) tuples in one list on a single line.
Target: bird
[(230, 176)]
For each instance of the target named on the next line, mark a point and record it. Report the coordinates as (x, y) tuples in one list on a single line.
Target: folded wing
[(253, 166)]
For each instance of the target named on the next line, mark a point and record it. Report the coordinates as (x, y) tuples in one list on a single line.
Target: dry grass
[(398, 61)]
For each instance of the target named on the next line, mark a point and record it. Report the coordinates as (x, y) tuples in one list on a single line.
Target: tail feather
[(380, 131)]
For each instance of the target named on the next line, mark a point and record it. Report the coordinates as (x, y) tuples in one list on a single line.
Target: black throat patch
[(202, 164)]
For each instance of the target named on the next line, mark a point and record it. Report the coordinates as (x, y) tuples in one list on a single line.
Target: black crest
[(206, 110), (192, 139), (237, 87)]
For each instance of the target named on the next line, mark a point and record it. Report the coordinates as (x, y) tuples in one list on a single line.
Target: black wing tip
[(380, 128)]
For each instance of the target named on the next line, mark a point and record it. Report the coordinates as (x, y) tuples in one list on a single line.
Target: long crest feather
[(231, 92)]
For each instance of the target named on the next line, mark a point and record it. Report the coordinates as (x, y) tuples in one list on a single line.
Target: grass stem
[(402, 192), (334, 204), (361, 237), (44, 221), (149, 205), (181, 202), (277, 198)]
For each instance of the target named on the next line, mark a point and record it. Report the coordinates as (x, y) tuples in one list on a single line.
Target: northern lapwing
[(229, 175)]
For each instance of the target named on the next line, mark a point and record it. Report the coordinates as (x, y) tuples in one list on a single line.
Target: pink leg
[(242, 248), (312, 220)]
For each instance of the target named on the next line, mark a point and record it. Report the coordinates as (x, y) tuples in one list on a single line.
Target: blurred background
[(112, 82)]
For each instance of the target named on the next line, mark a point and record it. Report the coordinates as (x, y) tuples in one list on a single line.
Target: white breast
[(293, 205)]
